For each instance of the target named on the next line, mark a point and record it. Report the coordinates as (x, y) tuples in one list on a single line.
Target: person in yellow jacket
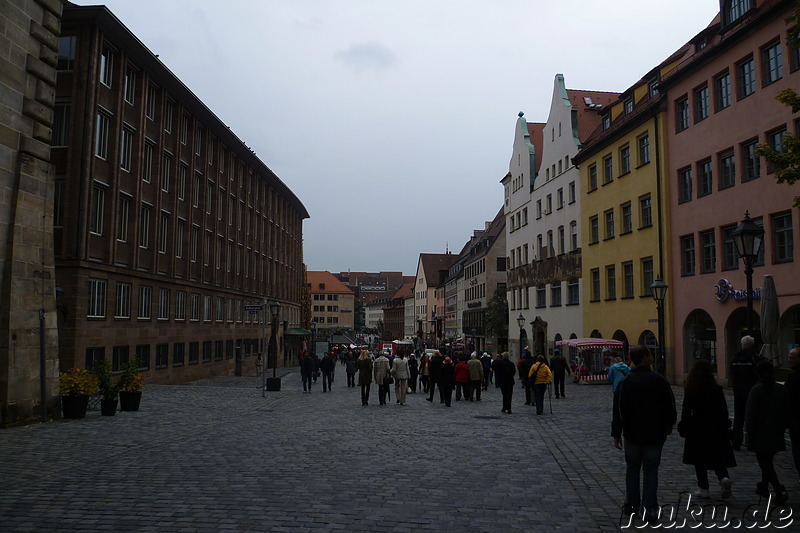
[(539, 376)]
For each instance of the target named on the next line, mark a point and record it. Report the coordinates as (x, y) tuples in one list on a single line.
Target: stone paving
[(215, 455)]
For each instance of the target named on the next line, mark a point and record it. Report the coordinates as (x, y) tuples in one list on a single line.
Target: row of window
[(626, 220), (325, 320), (705, 242), (329, 297), (199, 352), (628, 286), (323, 309), (744, 84), (520, 296), (624, 165), (548, 200), (168, 306)]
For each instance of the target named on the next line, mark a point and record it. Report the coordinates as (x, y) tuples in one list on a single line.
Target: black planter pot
[(74, 406), (129, 401), (108, 407)]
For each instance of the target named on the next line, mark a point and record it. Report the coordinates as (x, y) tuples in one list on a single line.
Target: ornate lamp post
[(274, 383), (521, 324), (313, 337), (748, 237), (659, 290)]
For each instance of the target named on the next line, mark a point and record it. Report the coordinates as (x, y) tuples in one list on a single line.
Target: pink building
[(721, 104)]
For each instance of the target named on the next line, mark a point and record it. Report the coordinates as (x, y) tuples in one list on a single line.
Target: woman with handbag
[(364, 375), (704, 424)]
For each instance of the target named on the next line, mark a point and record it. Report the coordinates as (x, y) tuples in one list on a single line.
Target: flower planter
[(74, 406), (129, 400), (108, 407)]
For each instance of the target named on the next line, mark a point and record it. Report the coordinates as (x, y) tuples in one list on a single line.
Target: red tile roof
[(332, 285)]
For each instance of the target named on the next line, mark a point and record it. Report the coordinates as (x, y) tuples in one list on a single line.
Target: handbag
[(387, 378)]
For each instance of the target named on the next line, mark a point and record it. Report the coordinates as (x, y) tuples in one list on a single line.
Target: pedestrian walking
[(462, 379), (413, 372), (364, 375), (306, 371), (504, 371), (259, 365), (524, 367), (486, 361), (475, 378), (560, 369), (435, 371), (792, 385), (704, 424), (316, 361), (400, 373), (326, 366), (351, 367), (539, 376), (446, 381), (645, 417), (380, 369), (743, 377), (766, 419)]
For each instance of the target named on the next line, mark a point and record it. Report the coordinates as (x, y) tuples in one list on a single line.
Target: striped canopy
[(589, 343)]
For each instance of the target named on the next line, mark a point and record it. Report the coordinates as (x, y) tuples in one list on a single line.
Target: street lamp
[(521, 324), (274, 383), (748, 237), (313, 337), (659, 290)]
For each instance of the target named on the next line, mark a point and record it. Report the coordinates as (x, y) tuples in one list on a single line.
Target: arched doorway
[(619, 335), (736, 328), (539, 336), (699, 339), (596, 334), (788, 333)]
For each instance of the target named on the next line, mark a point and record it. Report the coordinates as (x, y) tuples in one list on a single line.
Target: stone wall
[(28, 56)]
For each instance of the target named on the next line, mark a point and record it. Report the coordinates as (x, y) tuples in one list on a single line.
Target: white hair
[(748, 342)]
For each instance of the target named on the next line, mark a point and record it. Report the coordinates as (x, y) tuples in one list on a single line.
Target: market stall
[(591, 356)]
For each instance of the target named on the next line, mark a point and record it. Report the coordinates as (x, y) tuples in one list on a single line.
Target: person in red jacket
[(462, 379)]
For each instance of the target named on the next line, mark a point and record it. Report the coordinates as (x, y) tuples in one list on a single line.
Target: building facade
[(429, 291), (168, 230), (332, 302)]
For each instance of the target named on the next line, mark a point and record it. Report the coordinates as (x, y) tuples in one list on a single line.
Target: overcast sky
[(393, 120)]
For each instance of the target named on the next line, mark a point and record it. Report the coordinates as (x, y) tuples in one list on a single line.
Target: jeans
[(640, 458), (306, 380), (702, 475), (327, 381), (558, 384), (383, 390), (538, 392), (461, 390), (508, 394), (474, 390), (364, 394)]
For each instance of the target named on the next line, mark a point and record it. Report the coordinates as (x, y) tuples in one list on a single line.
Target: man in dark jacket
[(524, 366), (306, 370), (504, 371), (645, 417), (792, 385), (743, 377), (560, 368), (435, 373)]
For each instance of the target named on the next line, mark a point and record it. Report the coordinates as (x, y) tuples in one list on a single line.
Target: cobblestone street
[(214, 455)]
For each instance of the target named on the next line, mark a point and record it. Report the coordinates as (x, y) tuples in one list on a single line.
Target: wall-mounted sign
[(372, 288), (724, 290)]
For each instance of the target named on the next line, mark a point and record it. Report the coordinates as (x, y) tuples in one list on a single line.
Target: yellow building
[(624, 226)]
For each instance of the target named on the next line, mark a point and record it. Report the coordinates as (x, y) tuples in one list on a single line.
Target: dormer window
[(606, 121), (629, 106), (735, 9)]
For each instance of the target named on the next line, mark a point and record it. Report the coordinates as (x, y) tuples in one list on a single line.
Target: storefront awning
[(299, 332), (590, 343)]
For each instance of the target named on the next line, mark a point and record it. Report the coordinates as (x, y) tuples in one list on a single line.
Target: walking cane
[(550, 398)]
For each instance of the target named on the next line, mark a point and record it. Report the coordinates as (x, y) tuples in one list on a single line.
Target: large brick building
[(167, 226)]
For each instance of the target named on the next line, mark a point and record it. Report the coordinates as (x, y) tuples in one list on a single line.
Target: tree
[(787, 160), (497, 314)]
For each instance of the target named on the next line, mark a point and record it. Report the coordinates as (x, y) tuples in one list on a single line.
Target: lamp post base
[(273, 384)]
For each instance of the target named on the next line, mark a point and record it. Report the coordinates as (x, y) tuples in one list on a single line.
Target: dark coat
[(307, 365), (646, 410), (792, 385), (447, 375), (704, 423), (558, 364), (766, 418), (365, 371), (504, 371), (327, 364), (743, 370), (524, 367), (413, 367), (436, 367)]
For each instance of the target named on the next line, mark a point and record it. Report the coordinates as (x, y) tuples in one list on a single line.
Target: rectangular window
[(93, 355), (595, 275), (66, 52), (555, 295), (594, 224), (179, 239), (106, 66), (722, 89), (122, 218), (150, 109), (571, 193), (730, 257), (163, 304), (122, 309), (775, 141), (727, 169), (163, 232), (685, 185), (184, 129), (194, 307), (573, 292), (627, 273), (60, 134), (783, 237), (162, 355), (687, 255), (165, 172), (178, 353), (644, 149), (682, 113), (145, 302), (701, 103), (647, 276), (573, 232), (101, 136), (207, 303), (193, 238), (119, 358), (628, 105), (180, 305), (794, 53), (548, 204), (143, 356), (182, 182), (627, 217), (194, 352), (147, 163), (541, 296), (126, 150), (609, 218), (559, 198), (747, 77), (625, 159), (704, 178), (219, 309), (58, 203), (196, 190), (130, 84), (97, 299), (169, 108), (144, 227), (611, 282), (608, 169), (218, 350), (207, 351), (708, 251), (772, 60), (97, 210), (592, 177), (750, 160)]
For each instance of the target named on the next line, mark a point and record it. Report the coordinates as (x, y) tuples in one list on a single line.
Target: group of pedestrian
[(644, 414)]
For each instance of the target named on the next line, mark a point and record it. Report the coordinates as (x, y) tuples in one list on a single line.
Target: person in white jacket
[(401, 373)]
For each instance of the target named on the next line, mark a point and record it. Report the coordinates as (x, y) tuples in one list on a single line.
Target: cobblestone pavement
[(215, 455)]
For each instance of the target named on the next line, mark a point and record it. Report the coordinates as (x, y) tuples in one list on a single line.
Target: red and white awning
[(589, 343)]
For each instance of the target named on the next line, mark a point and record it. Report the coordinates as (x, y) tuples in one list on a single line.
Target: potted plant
[(130, 383), (77, 385), (109, 389)]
